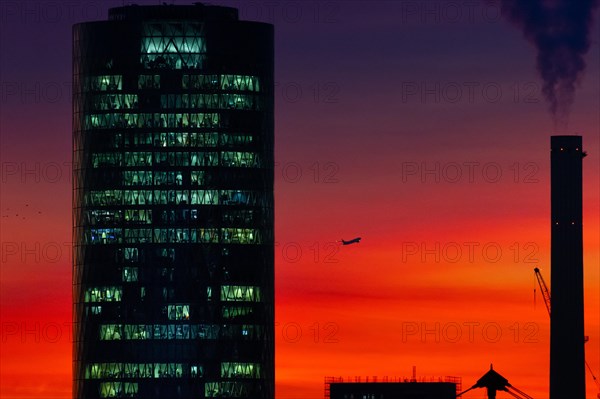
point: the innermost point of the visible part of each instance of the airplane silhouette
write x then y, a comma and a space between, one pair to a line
352, 241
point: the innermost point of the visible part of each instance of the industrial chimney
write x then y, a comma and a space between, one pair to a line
567, 369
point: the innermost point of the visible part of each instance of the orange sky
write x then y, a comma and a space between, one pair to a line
373, 309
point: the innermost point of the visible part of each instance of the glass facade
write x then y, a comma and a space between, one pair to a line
173, 268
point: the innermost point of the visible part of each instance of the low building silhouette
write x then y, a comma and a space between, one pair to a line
407, 388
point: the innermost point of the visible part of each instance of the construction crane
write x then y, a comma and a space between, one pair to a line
543, 288
546, 296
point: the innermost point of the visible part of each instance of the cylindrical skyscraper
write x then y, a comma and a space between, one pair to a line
173, 268
567, 358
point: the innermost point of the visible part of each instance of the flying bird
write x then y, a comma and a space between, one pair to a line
352, 241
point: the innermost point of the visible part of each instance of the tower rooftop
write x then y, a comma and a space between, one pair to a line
167, 11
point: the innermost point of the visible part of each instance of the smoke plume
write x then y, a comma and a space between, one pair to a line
560, 31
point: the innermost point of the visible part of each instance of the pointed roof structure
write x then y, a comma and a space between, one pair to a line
493, 382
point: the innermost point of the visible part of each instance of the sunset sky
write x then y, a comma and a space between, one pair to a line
418, 125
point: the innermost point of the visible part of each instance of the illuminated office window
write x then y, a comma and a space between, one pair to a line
234, 312
239, 159
103, 294
200, 81
208, 139
105, 102
240, 236
138, 159
137, 197
131, 254
226, 389
179, 312
173, 46
108, 159
204, 197
168, 370
138, 370
137, 177
197, 177
104, 83
209, 235
104, 216
118, 389
104, 370
138, 216
104, 236
137, 235
240, 82
96, 310
204, 159
196, 371
240, 293
104, 198
130, 274
239, 197
231, 140
240, 370
137, 331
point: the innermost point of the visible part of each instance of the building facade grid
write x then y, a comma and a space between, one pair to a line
173, 271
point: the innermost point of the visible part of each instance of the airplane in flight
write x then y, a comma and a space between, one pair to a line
352, 241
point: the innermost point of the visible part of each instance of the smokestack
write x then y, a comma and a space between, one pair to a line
567, 358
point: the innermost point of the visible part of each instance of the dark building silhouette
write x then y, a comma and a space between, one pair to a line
173, 273
392, 390
567, 369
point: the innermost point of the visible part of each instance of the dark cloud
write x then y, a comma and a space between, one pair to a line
560, 31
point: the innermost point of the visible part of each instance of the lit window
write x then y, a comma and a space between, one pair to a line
228, 389
138, 216
240, 236
178, 312
137, 177
233, 312
240, 293
130, 274
104, 83
106, 159
239, 159
240, 82
111, 332
131, 254
118, 389
137, 235
104, 370
96, 309
137, 331
106, 102
168, 370
240, 370
103, 294
196, 371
